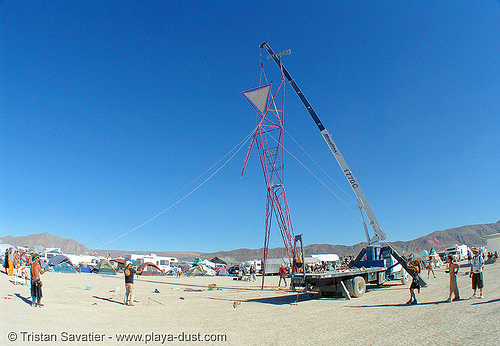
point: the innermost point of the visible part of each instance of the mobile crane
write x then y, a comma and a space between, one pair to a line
375, 263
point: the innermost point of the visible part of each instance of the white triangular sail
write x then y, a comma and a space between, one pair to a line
259, 97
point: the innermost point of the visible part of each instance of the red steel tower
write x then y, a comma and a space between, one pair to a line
269, 140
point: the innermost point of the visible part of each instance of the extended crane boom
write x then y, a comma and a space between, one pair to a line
362, 201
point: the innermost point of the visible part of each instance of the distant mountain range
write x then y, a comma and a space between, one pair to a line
46, 240
471, 235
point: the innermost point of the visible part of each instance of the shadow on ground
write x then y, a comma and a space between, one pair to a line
109, 300
24, 299
404, 305
284, 300
281, 300
487, 302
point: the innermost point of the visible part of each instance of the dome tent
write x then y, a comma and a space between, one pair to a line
105, 267
150, 269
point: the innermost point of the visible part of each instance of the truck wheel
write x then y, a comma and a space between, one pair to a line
405, 279
358, 286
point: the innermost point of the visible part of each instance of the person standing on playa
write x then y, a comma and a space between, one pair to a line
430, 267
282, 274
11, 262
129, 283
179, 271
253, 277
6, 261
36, 282
476, 272
453, 268
415, 266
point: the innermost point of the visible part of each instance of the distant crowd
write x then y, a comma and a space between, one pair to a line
15, 259
20, 261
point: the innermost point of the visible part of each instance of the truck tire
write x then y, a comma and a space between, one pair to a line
358, 286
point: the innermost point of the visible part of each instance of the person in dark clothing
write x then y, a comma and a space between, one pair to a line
415, 266
129, 283
6, 260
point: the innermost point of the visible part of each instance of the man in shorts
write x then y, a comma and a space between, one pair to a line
476, 272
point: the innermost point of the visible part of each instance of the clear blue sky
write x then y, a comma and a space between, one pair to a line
108, 108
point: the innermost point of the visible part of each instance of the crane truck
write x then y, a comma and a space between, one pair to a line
374, 264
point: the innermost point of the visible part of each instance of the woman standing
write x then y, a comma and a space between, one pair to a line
430, 267
415, 266
453, 269
11, 261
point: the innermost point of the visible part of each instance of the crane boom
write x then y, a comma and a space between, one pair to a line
363, 204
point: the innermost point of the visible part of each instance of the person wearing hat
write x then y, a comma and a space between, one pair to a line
282, 274
476, 272
129, 282
36, 282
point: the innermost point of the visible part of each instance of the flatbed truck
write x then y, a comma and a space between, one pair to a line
381, 267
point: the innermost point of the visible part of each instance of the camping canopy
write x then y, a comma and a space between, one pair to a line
222, 272
64, 267
200, 270
195, 271
207, 263
58, 260
85, 268
150, 269
323, 258
185, 267
118, 262
104, 267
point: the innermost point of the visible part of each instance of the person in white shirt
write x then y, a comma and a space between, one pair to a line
476, 272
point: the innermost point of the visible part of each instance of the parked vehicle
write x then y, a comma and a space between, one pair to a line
459, 252
234, 270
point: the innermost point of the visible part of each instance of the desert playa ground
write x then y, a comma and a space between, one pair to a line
186, 309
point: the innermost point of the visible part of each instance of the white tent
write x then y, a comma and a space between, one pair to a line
207, 263
331, 257
77, 259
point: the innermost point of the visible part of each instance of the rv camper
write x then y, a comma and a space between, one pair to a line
460, 252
